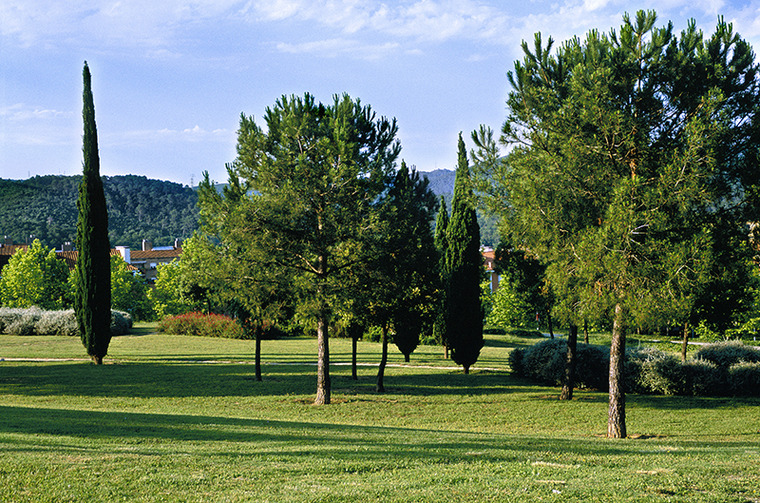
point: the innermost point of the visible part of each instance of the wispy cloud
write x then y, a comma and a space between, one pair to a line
167, 135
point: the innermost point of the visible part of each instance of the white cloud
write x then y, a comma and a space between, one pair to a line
166, 135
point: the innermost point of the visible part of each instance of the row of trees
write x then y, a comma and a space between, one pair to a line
318, 224
631, 176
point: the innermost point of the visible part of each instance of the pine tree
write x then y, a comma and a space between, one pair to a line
92, 300
463, 269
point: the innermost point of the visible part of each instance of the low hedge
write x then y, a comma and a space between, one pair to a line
728, 368
35, 321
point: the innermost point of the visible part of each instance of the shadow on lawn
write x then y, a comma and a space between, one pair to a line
279, 438
198, 380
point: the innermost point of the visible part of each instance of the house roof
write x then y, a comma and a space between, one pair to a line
140, 255
71, 256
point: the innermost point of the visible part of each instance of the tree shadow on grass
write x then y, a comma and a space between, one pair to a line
187, 379
282, 438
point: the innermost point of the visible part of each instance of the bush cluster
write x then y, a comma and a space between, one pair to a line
726, 368
35, 321
204, 325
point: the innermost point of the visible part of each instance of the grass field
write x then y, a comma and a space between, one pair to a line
172, 418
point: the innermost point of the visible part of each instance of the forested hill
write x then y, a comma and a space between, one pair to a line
138, 208
442, 183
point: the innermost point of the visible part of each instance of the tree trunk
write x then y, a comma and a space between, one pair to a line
97, 360
585, 331
445, 352
257, 365
569, 382
549, 321
323, 362
616, 415
380, 388
406, 359
466, 369
354, 350
685, 345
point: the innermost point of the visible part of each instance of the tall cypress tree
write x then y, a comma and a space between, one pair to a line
92, 300
463, 268
441, 226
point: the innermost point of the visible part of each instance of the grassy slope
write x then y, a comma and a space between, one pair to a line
159, 425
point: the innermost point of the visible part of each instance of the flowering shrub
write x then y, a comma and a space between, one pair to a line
204, 325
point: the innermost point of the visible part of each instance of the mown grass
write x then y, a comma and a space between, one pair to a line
175, 418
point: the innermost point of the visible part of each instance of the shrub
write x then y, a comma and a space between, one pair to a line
744, 379
545, 362
58, 323
728, 353
35, 321
204, 325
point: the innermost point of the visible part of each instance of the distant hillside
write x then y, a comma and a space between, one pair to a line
442, 183
441, 180
138, 208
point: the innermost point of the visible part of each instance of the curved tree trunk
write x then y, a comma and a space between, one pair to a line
380, 388
616, 414
569, 382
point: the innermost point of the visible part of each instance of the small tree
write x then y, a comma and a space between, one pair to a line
129, 291
463, 270
34, 277
92, 300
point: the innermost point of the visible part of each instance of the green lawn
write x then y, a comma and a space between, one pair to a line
174, 418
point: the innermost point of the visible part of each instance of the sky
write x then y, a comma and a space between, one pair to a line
170, 78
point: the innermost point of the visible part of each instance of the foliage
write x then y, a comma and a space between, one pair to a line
205, 325
715, 370
34, 277
35, 321
462, 271
138, 208
308, 182
172, 294
728, 353
129, 291
92, 294
396, 280
633, 173
441, 244
508, 307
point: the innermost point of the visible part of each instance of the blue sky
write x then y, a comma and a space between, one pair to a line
171, 77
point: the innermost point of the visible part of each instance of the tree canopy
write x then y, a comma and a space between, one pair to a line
633, 162
311, 179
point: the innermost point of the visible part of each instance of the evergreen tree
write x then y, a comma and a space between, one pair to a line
463, 269
92, 299
314, 175
440, 242
634, 152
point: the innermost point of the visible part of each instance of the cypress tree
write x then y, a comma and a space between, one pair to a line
441, 226
463, 268
92, 299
